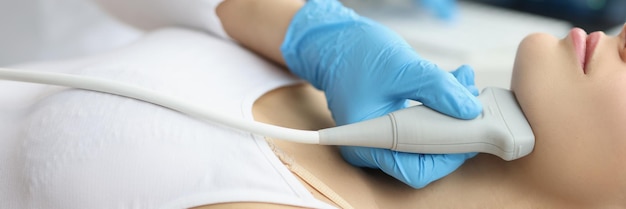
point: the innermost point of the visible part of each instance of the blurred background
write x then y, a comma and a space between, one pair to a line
591, 15
481, 33
485, 33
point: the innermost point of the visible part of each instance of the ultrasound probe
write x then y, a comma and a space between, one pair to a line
501, 129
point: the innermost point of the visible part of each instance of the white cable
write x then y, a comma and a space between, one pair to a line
136, 92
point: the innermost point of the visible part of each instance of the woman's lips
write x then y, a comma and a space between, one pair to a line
579, 38
584, 45
592, 41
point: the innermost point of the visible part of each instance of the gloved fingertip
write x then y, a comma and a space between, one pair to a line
465, 75
470, 109
358, 156
462, 105
473, 90
437, 166
445, 94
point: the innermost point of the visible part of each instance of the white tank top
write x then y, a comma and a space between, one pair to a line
34, 30
68, 148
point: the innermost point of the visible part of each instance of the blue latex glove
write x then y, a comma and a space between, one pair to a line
444, 9
367, 71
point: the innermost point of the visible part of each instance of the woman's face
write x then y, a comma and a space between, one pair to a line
573, 92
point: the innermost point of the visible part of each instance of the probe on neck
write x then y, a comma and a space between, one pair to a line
501, 129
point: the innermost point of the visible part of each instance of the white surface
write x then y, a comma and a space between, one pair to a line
36, 30
484, 37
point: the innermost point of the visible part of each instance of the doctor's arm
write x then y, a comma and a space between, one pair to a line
364, 69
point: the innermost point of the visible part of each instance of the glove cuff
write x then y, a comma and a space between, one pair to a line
301, 48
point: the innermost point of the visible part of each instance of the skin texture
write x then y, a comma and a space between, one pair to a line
259, 25
578, 117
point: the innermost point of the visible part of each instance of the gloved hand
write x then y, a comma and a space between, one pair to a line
367, 71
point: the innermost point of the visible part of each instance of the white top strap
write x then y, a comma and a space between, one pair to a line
152, 14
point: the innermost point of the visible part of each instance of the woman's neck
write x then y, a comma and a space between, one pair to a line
482, 182
485, 181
